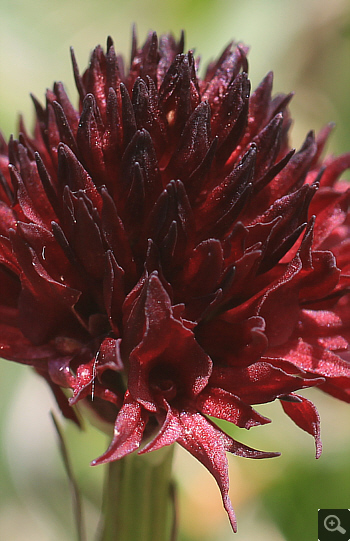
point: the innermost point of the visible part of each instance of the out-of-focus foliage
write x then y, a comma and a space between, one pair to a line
307, 44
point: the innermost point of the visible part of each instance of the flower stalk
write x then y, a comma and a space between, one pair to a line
138, 498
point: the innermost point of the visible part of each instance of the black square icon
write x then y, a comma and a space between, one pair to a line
334, 525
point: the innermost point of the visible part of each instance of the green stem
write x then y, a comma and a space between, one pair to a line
138, 497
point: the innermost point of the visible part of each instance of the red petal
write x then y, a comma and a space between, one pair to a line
201, 274
224, 405
45, 305
168, 434
15, 347
238, 342
258, 383
208, 444
280, 305
128, 431
162, 344
314, 359
331, 210
306, 416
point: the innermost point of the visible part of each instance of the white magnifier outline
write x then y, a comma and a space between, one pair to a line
331, 528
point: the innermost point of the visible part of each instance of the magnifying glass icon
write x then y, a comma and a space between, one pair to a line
332, 524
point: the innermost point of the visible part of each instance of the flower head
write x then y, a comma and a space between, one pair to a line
166, 256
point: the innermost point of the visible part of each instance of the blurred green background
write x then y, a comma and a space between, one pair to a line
307, 44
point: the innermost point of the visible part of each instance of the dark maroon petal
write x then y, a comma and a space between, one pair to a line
194, 144
313, 358
58, 367
335, 169
155, 363
113, 135
109, 356
208, 444
268, 176
140, 152
179, 93
175, 354
268, 143
260, 382
224, 154
293, 174
227, 199
15, 347
225, 71
168, 434
306, 416
48, 184
237, 342
66, 134
280, 307
128, 116
68, 109
291, 215
86, 239
50, 253
44, 304
230, 107
115, 235
7, 219
113, 75
78, 80
258, 105
244, 269
147, 113
223, 405
171, 224
87, 380
150, 57
30, 209
204, 441
89, 139
9, 281
168, 49
331, 210
323, 278
202, 272
128, 431
114, 292
72, 173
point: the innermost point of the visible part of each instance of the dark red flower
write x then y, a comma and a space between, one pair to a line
166, 256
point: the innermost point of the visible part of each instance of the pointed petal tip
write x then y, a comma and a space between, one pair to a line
229, 510
110, 42
103, 459
273, 454
318, 445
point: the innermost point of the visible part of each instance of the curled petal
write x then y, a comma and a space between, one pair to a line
306, 416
